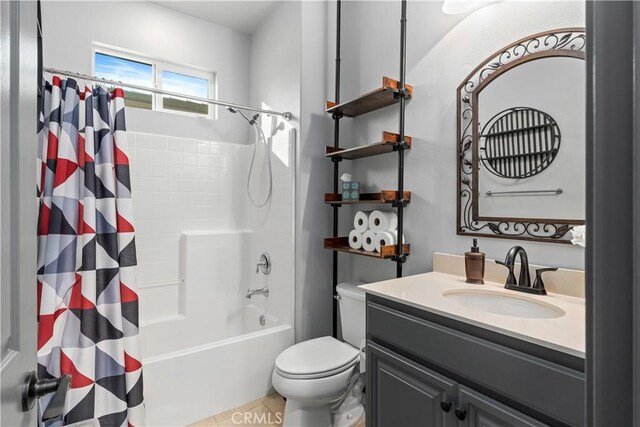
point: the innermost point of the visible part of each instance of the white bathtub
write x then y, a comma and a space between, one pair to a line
188, 385
204, 348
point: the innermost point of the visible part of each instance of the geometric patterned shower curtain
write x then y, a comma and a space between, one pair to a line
87, 301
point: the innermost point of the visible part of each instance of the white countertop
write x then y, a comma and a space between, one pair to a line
425, 291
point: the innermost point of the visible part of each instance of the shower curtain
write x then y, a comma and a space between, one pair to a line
87, 302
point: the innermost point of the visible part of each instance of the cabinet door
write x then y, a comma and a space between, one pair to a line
477, 410
403, 393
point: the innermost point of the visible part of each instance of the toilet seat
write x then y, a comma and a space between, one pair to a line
316, 358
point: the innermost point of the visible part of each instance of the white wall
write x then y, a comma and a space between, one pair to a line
314, 299
70, 28
442, 50
275, 60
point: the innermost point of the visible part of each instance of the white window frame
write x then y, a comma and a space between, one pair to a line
157, 67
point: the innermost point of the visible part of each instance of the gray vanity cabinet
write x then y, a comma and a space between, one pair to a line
424, 369
407, 394
482, 411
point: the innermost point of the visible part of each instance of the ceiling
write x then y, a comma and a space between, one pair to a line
240, 15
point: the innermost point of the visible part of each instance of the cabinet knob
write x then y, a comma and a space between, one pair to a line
445, 406
461, 414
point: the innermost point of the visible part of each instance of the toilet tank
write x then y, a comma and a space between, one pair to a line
352, 312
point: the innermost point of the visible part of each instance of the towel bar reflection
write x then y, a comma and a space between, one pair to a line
557, 191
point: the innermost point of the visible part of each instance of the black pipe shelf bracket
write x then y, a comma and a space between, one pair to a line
336, 116
391, 92
397, 203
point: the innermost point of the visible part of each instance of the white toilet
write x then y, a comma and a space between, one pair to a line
315, 375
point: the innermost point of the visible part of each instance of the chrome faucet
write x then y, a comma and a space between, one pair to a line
264, 264
251, 292
524, 281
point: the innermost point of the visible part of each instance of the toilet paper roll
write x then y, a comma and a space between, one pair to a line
369, 241
383, 221
386, 238
355, 239
361, 221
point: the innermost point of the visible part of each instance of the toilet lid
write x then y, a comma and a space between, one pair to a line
316, 358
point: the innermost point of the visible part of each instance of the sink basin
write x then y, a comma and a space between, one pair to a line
503, 303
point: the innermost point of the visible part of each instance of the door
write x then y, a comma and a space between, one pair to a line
18, 205
477, 410
403, 393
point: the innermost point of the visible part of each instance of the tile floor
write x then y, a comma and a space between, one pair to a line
267, 411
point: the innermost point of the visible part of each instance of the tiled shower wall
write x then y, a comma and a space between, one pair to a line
182, 185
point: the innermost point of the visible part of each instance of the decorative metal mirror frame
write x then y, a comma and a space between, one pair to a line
564, 42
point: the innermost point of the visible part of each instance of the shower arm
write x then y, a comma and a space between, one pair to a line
285, 115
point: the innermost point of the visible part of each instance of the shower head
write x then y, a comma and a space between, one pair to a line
251, 120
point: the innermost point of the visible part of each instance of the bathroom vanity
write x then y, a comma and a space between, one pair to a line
441, 352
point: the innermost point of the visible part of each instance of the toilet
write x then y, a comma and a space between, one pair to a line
315, 376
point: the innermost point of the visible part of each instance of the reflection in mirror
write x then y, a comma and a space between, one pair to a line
532, 157
521, 140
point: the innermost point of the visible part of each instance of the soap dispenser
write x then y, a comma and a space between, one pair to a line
474, 264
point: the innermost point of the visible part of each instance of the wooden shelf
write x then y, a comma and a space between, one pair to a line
341, 244
384, 196
374, 100
388, 144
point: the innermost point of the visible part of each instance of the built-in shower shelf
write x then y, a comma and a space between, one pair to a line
341, 244
390, 142
374, 100
382, 197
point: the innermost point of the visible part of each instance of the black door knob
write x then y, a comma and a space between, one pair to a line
461, 414
33, 388
445, 406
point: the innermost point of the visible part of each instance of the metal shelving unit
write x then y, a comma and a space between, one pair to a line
388, 144
392, 92
382, 197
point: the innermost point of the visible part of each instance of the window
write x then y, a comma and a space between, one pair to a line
127, 71
147, 72
187, 85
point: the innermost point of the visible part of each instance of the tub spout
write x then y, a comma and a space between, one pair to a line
251, 292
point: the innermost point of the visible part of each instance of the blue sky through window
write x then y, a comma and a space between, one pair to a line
188, 85
124, 70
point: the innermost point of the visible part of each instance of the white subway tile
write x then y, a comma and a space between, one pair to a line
160, 156
160, 142
189, 159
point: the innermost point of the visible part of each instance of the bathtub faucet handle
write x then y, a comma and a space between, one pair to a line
264, 264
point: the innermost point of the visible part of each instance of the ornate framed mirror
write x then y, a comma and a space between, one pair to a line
521, 140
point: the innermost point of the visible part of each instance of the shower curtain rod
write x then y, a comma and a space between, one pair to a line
285, 115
